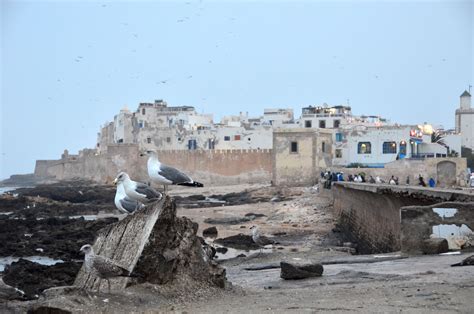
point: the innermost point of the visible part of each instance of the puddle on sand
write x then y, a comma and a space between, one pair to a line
231, 253
445, 212
43, 260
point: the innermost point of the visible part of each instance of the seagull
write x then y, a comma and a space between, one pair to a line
137, 191
166, 175
124, 203
8, 292
468, 261
260, 240
102, 267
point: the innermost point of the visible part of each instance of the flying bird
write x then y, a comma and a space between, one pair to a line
124, 203
8, 292
137, 191
259, 239
166, 175
468, 261
101, 266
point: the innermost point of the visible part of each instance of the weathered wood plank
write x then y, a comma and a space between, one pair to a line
123, 242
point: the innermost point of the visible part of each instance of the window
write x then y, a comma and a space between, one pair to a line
338, 153
364, 148
307, 124
294, 147
336, 123
140, 124
389, 148
236, 137
249, 139
148, 140
143, 111
322, 124
192, 144
168, 140
338, 137
120, 140
226, 138
323, 147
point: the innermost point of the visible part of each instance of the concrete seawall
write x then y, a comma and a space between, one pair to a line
370, 214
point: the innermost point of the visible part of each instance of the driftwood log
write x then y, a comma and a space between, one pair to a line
157, 246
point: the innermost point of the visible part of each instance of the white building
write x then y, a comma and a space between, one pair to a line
375, 146
465, 121
325, 117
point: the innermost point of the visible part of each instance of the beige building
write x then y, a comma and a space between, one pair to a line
299, 155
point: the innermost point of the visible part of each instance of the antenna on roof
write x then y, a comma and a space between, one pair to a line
470, 88
348, 103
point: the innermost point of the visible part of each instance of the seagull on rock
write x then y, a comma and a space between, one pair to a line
8, 292
166, 175
137, 191
124, 203
468, 261
102, 267
260, 240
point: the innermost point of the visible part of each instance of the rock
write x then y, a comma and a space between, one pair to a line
222, 250
33, 278
239, 241
228, 220
435, 246
210, 232
300, 270
255, 215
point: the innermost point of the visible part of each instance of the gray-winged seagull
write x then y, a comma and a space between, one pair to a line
102, 267
124, 203
136, 190
166, 175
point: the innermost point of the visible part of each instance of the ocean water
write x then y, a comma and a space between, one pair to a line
43, 260
4, 189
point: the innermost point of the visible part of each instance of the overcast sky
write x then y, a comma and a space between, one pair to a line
67, 67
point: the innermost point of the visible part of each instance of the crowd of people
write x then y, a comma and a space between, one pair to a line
329, 177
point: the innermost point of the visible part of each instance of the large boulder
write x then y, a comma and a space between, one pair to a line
435, 246
210, 232
300, 270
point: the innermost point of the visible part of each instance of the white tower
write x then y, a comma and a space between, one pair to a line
465, 120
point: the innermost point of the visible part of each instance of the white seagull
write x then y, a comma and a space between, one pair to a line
166, 175
102, 267
137, 191
260, 240
124, 203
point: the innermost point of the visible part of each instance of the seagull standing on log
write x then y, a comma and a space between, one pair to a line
137, 191
102, 267
124, 203
166, 175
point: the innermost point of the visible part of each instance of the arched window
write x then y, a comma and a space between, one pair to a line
403, 149
364, 148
